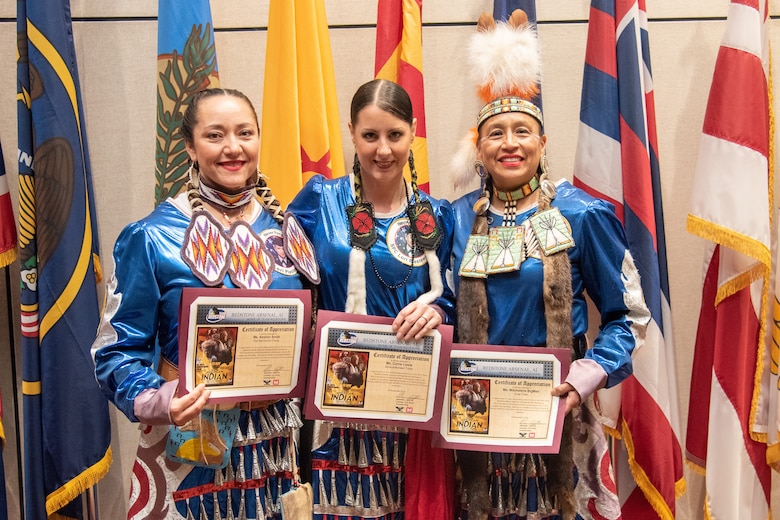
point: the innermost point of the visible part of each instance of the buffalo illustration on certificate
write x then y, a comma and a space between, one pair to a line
362, 373
243, 344
499, 397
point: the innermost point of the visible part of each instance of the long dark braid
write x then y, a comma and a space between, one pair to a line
357, 181
269, 200
413, 172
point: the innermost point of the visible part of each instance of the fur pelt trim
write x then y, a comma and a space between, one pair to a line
356, 285
434, 274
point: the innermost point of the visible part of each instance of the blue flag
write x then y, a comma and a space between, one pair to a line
186, 63
66, 424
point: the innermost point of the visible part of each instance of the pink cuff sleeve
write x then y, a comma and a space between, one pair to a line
586, 376
153, 405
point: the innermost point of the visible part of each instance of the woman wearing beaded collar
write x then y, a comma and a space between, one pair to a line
526, 251
136, 352
356, 224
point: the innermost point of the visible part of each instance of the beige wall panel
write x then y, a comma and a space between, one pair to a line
119, 8
117, 67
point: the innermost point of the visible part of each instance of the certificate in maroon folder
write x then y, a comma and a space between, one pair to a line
497, 398
244, 344
361, 373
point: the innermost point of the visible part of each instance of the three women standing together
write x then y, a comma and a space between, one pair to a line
397, 270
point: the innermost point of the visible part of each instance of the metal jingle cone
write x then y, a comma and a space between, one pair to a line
323, 495
362, 458
342, 449
259, 512
241, 472
377, 454
349, 498
256, 473
270, 466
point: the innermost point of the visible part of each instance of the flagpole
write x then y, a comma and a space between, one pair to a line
91, 509
15, 396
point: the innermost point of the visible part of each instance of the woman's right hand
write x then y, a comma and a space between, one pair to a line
189, 406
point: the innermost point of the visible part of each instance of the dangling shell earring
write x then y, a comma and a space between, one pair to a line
479, 167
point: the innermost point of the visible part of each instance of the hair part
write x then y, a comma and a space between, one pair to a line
385, 95
190, 118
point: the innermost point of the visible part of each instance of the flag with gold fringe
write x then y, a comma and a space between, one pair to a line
186, 63
731, 208
398, 58
66, 424
617, 160
301, 131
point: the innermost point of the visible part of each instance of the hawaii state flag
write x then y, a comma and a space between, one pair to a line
66, 425
186, 63
301, 134
731, 207
617, 160
398, 58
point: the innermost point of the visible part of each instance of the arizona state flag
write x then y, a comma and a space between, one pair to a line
66, 426
186, 63
301, 133
399, 58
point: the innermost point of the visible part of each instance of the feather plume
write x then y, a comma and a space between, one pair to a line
505, 61
462, 163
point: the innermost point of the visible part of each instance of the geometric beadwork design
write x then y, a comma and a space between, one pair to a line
206, 248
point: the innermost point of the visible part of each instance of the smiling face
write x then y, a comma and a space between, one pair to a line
511, 147
382, 143
225, 142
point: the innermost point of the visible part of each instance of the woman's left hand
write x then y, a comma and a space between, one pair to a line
573, 398
416, 320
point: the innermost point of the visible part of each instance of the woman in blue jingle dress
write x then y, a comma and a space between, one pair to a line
136, 350
526, 251
378, 276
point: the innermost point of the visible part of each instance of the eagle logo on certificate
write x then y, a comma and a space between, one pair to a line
345, 383
215, 363
469, 405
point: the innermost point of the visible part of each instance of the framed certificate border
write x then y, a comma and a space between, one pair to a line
497, 398
245, 344
398, 382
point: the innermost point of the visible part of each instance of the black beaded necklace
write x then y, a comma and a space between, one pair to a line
413, 253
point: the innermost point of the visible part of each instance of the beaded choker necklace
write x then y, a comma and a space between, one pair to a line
523, 191
226, 200
510, 199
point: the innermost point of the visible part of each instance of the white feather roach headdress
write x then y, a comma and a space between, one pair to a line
506, 68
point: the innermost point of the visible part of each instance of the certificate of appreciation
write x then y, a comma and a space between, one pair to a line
244, 344
361, 373
498, 398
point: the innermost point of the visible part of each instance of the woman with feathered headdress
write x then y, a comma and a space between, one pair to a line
526, 251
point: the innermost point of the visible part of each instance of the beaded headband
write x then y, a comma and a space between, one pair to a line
509, 104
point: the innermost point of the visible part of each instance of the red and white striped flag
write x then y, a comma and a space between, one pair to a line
617, 160
399, 59
7, 223
731, 207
